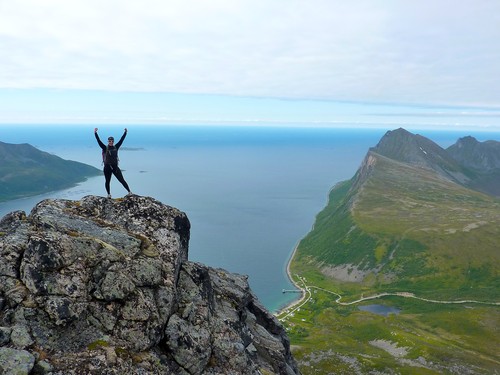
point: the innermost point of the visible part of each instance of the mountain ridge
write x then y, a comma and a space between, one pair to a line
468, 162
417, 150
413, 220
471, 153
408, 179
481, 157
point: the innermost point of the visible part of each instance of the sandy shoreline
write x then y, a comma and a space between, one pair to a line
289, 274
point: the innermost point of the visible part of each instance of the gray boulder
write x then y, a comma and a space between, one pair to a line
101, 286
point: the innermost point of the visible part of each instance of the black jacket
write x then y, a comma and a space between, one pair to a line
110, 153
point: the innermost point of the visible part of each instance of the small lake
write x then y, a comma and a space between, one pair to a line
380, 309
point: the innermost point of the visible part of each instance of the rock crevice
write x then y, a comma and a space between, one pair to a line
102, 286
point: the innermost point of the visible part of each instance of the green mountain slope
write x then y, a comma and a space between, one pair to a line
407, 228
404, 224
25, 171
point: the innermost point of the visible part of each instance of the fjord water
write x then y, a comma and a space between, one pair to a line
251, 193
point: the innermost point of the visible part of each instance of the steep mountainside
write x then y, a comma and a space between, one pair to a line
102, 286
403, 146
409, 224
481, 157
402, 225
25, 170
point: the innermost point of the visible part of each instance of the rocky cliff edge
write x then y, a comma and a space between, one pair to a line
101, 286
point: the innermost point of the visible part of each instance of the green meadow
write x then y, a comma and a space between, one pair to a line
399, 229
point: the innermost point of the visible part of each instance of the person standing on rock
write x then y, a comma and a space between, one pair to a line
110, 161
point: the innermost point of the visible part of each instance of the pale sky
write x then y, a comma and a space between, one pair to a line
324, 62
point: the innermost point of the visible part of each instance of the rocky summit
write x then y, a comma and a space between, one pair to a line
102, 286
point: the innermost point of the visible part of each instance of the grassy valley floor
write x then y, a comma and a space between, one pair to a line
428, 248
422, 338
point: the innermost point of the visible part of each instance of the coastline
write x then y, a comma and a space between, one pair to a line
196, 184
302, 290
303, 293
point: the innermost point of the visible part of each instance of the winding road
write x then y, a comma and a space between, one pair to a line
307, 295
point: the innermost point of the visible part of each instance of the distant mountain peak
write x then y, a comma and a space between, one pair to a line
468, 139
483, 158
399, 131
480, 156
404, 146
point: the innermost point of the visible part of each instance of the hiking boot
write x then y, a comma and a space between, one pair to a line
109, 196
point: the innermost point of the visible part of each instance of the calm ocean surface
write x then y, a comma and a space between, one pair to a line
250, 193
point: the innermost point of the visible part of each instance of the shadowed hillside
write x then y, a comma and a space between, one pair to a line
481, 157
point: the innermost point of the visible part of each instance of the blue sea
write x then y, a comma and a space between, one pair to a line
251, 193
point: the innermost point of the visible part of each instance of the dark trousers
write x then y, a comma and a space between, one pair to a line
110, 169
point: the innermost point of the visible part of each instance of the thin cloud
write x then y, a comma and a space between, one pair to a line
413, 52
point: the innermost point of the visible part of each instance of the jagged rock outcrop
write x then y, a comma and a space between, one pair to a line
103, 286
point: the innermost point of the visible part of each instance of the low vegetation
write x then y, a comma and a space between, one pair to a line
402, 229
27, 171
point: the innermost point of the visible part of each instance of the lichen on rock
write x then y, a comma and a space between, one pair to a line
103, 286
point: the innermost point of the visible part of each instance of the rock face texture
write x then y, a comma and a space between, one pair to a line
480, 156
414, 149
103, 286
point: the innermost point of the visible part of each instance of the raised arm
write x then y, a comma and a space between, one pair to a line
117, 145
102, 145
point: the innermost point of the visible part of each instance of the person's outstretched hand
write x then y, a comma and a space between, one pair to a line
95, 130
125, 130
